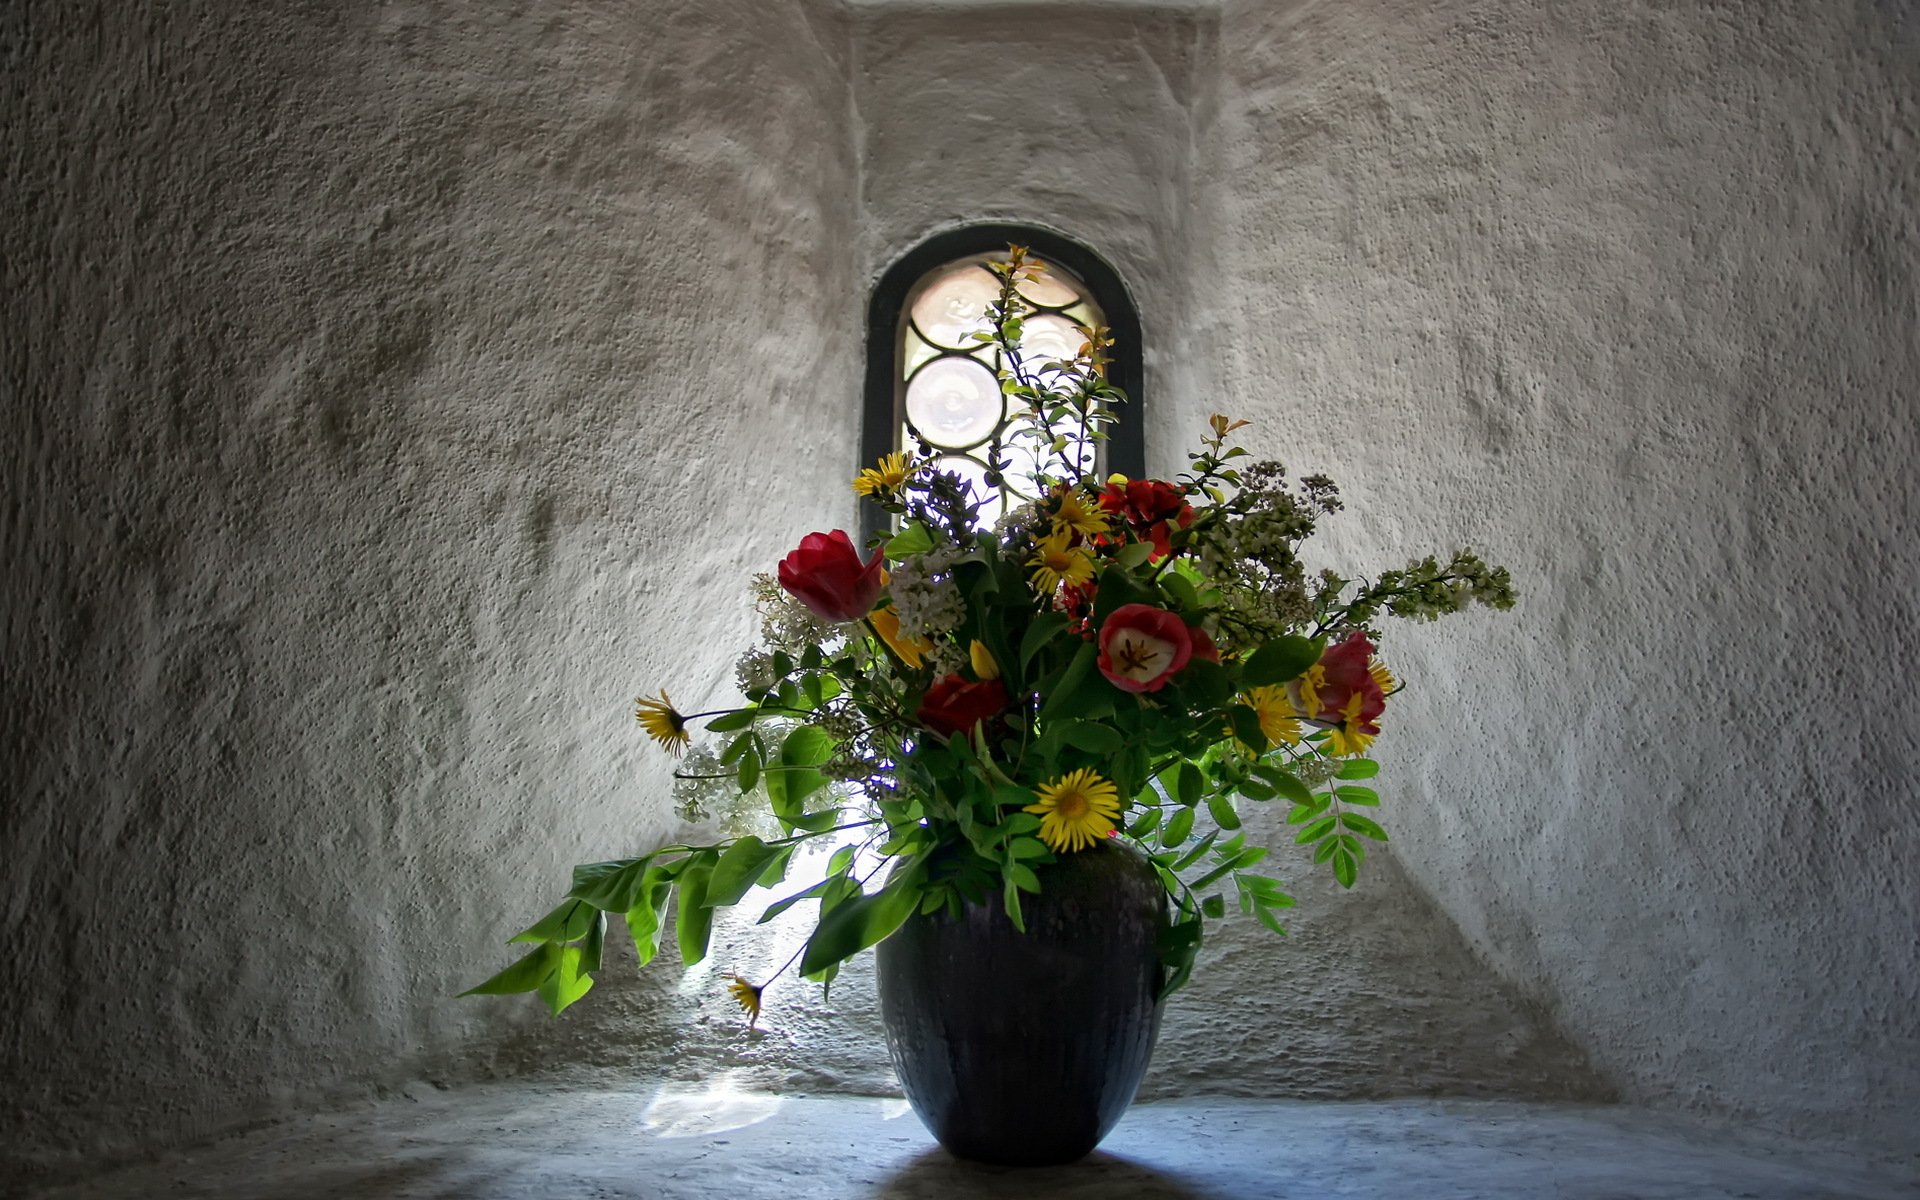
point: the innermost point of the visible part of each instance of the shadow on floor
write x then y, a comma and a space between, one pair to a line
938, 1175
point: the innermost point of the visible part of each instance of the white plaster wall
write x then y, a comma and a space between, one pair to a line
1626, 296
392, 392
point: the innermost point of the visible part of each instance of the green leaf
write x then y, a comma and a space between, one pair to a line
1178, 827
1214, 907
749, 773
1314, 831
780, 906
1145, 823
1245, 724
861, 921
523, 976
1352, 794
694, 922
739, 718
1346, 867
1221, 808
1265, 917
1134, 554
1091, 736
1204, 684
1194, 855
1044, 629
1070, 680
646, 920
914, 539
1357, 768
1189, 783
1363, 826
570, 980
1027, 847
737, 871
1282, 660
611, 887
567, 923
803, 749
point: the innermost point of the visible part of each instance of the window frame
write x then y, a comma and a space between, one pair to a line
880, 418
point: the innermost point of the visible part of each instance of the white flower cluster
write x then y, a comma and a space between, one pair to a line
785, 623
925, 596
754, 672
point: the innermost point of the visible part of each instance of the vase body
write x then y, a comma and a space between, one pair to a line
1024, 1049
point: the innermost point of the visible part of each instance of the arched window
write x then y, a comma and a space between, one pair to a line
931, 388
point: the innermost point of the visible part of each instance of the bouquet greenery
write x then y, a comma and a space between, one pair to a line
1114, 658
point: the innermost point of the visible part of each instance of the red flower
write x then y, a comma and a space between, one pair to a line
1153, 508
1077, 603
1143, 501
1341, 689
955, 704
827, 576
1203, 646
1142, 646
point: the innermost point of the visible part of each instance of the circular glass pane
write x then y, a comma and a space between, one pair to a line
955, 305
1048, 338
954, 402
1051, 290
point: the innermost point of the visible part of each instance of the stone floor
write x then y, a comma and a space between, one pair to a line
542, 1141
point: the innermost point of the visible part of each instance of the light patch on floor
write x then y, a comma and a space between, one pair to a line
674, 1142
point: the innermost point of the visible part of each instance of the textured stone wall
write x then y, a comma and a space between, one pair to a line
392, 392
1626, 296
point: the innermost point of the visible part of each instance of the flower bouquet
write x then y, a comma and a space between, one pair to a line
960, 705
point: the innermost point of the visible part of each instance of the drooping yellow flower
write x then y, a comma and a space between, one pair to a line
747, 996
1054, 562
663, 723
984, 665
1350, 736
1275, 709
883, 478
911, 650
1076, 516
1382, 676
1076, 810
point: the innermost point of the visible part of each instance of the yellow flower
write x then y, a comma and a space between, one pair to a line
663, 724
1275, 710
1350, 736
1382, 676
1074, 516
748, 997
1076, 810
983, 664
911, 650
884, 478
1054, 562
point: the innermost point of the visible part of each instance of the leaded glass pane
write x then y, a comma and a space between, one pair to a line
948, 394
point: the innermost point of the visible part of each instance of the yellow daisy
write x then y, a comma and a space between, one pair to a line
1075, 516
1382, 676
911, 650
1054, 562
884, 478
748, 997
1076, 810
1275, 709
663, 724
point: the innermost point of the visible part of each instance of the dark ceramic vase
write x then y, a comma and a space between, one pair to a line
1025, 1049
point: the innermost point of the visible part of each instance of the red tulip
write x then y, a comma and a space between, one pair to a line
955, 704
827, 576
1142, 646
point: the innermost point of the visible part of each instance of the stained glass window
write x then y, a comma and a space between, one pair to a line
932, 384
